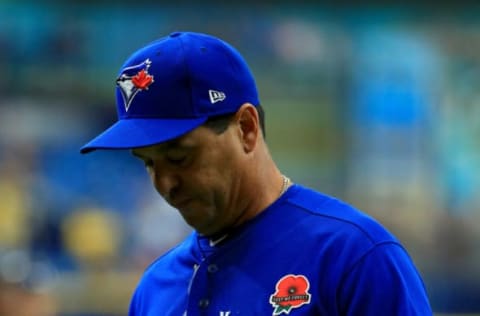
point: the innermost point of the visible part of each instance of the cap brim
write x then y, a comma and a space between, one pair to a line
134, 133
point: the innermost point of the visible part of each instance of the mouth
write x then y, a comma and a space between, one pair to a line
181, 204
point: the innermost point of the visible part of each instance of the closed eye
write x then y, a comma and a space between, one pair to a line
146, 161
177, 160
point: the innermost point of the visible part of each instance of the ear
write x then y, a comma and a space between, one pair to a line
249, 127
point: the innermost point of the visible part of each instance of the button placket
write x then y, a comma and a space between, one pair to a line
199, 296
203, 303
212, 268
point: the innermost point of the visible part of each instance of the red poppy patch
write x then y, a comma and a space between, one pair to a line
291, 292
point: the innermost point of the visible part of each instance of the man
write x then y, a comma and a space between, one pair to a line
188, 108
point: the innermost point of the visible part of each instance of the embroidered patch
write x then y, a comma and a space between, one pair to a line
133, 80
291, 292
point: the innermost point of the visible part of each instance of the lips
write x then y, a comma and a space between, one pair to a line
180, 204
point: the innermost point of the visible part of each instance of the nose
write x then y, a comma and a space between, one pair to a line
165, 182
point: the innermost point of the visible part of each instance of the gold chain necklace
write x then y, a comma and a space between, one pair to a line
286, 183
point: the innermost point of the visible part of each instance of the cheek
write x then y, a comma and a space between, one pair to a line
212, 180
216, 169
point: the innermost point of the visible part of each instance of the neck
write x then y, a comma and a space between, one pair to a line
262, 184
253, 205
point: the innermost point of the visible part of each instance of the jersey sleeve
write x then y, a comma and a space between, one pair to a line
384, 281
133, 310
138, 303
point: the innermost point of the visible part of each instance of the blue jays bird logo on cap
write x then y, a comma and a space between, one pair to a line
134, 79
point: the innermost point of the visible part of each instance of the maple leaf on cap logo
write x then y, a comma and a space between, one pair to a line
142, 80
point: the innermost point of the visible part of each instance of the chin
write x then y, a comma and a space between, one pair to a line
204, 230
196, 221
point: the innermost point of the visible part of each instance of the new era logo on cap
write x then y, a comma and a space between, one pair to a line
216, 96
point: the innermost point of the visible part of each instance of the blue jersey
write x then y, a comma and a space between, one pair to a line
306, 254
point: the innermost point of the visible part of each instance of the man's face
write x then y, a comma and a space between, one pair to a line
199, 174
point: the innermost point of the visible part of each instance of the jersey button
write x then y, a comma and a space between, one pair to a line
212, 268
203, 303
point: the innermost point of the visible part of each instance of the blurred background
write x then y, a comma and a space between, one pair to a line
376, 104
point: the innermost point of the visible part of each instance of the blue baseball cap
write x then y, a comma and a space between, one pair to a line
173, 85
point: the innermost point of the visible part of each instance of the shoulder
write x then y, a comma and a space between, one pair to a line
327, 213
363, 251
